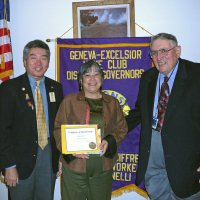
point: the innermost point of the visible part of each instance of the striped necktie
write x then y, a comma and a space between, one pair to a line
162, 103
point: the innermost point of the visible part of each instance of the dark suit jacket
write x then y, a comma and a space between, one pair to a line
181, 129
18, 126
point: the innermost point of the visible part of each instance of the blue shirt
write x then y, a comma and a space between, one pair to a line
160, 80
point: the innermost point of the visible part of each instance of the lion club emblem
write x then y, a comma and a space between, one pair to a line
122, 100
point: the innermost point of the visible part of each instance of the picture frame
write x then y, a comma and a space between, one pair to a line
77, 139
100, 19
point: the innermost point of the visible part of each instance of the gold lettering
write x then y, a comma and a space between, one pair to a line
71, 75
117, 64
133, 54
119, 176
84, 55
120, 54
123, 74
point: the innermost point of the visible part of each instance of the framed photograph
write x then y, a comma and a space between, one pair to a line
99, 19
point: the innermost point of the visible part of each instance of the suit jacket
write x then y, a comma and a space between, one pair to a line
181, 129
73, 110
18, 126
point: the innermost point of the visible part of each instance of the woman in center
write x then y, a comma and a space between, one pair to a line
89, 176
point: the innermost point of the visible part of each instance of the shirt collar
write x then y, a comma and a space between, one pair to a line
171, 73
33, 81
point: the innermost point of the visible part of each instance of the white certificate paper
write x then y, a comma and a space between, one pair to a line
80, 139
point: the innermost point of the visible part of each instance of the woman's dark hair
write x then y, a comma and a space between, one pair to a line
85, 68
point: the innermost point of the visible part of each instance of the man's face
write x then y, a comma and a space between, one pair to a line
37, 63
165, 55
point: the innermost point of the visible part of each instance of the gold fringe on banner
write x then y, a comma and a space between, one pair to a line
129, 188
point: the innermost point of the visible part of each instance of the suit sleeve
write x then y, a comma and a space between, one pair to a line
134, 116
7, 108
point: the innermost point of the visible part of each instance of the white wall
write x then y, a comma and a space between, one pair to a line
42, 19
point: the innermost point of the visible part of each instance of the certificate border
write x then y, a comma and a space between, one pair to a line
64, 141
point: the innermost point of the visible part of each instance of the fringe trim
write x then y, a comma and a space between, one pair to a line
129, 188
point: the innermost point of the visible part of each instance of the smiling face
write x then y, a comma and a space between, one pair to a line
91, 82
165, 54
37, 62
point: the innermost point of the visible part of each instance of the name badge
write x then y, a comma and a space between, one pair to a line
52, 97
154, 122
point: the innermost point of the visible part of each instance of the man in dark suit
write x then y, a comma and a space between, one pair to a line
169, 152
30, 169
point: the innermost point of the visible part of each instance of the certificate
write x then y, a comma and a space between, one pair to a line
79, 139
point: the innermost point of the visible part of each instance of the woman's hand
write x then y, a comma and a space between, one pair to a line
103, 147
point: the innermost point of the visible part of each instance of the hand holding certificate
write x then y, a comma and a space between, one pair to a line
79, 139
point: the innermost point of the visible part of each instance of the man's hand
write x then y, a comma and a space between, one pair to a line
11, 177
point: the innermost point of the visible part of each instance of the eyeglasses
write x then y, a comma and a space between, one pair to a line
162, 52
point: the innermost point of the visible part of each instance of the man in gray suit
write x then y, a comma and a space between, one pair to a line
30, 170
169, 152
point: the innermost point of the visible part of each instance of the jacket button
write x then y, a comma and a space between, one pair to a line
34, 155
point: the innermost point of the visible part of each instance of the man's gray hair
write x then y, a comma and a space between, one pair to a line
164, 36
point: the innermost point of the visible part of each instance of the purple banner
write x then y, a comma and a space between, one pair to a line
123, 61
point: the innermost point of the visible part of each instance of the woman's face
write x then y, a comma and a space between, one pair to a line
91, 82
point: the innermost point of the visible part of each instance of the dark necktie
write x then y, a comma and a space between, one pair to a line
162, 103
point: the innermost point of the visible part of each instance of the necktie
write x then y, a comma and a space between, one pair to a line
162, 103
40, 115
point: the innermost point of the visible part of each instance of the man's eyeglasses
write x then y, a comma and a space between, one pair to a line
162, 52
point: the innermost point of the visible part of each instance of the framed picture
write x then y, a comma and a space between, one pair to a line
98, 19
78, 139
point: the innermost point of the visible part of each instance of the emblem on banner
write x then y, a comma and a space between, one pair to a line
122, 100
